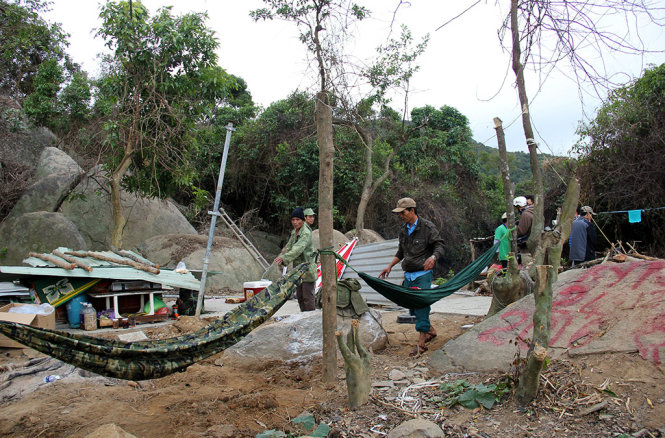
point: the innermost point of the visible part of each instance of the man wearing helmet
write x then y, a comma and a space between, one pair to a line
526, 218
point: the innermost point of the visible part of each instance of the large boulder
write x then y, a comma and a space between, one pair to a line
230, 263
339, 239
54, 161
39, 231
90, 209
604, 309
56, 175
365, 236
298, 338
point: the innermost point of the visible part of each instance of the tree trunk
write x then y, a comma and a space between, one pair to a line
527, 387
356, 367
366, 194
119, 220
508, 288
505, 179
538, 223
324, 133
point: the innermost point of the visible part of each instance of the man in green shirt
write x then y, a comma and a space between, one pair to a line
299, 250
504, 246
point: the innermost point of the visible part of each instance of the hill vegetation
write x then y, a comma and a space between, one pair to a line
148, 119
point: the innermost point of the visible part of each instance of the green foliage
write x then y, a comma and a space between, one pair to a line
27, 42
622, 166
442, 280
42, 105
306, 422
160, 84
472, 396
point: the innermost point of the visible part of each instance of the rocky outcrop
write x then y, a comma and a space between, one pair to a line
339, 239
298, 338
230, 263
89, 207
612, 307
56, 175
40, 231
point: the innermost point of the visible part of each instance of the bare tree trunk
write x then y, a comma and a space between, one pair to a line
527, 387
507, 184
366, 193
119, 220
324, 133
538, 215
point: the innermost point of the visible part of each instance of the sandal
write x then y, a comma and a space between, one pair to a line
418, 351
429, 336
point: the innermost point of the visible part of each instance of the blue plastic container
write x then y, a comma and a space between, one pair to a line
74, 310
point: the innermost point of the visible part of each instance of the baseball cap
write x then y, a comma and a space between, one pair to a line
504, 216
587, 209
309, 212
403, 204
520, 201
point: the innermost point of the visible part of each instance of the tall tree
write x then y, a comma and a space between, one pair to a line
392, 70
322, 24
161, 81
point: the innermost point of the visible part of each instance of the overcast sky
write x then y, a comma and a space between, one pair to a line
463, 66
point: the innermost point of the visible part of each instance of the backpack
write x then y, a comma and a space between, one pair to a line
349, 301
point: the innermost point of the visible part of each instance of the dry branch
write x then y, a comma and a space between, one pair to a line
70, 259
51, 259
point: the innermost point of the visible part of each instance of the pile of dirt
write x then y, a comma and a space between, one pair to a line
216, 399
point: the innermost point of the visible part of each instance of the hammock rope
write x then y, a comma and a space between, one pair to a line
157, 358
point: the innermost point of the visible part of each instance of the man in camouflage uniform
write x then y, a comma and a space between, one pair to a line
299, 250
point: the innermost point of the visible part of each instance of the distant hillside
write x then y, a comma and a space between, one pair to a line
520, 169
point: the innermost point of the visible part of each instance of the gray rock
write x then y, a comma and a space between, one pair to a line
230, 263
396, 374
416, 428
295, 339
39, 232
339, 239
47, 194
54, 161
90, 209
110, 430
365, 236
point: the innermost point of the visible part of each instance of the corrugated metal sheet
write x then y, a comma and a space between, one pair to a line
100, 269
372, 259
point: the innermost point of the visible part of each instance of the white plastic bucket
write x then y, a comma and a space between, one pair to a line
252, 288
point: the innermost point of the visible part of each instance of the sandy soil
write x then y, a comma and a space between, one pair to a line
214, 399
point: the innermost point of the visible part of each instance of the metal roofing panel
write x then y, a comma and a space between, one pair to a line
372, 259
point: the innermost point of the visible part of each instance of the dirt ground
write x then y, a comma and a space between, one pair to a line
216, 399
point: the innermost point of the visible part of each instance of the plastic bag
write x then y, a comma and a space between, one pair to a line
33, 309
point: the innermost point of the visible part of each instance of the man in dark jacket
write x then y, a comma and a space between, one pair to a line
419, 248
583, 237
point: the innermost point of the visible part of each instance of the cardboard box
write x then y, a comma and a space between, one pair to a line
43, 321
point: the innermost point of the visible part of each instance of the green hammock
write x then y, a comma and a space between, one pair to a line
151, 359
419, 298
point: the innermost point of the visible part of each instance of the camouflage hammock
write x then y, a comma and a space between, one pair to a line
152, 359
419, 298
